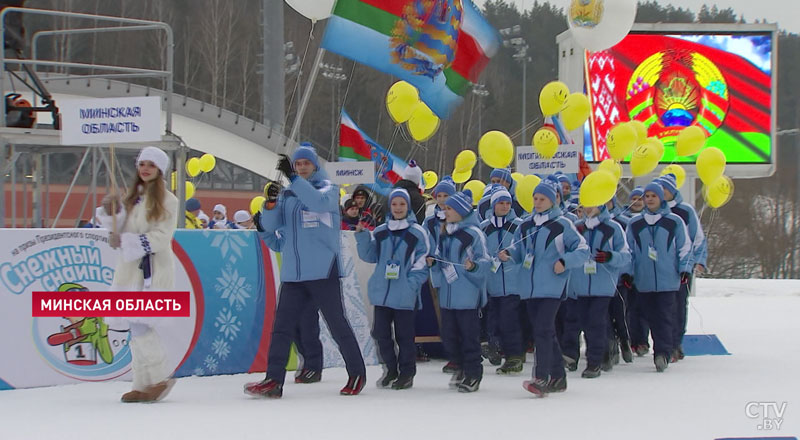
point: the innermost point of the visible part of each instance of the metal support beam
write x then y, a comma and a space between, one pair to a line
37, 189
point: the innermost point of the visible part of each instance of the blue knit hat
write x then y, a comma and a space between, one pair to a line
503, 173
563, 178
400, 192
656, 188
500, 195
637, 192
446, 186
490, 188
306, 151
547, 189
461, 202
192, 204
669, 182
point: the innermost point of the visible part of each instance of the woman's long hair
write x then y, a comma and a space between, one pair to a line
154, 193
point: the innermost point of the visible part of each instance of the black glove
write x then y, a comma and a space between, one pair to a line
271, 191
257, 222
285, 166
602, 256
685, 277
627, 280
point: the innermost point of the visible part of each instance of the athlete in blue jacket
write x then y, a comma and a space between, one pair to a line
501, 176
398, 248
596, 283
306, 337
461, 264
504, 302
307, 215
661, 253
689, 216
547, 246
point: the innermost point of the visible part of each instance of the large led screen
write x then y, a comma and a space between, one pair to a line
720, 83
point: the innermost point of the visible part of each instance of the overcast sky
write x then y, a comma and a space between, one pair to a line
784, 12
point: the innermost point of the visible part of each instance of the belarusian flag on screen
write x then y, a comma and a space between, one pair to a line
439, 46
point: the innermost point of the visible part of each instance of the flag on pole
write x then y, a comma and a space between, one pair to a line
355, 145
439, 46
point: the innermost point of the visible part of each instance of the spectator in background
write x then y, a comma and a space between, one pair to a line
192, 211
243, 220
350, 215
368, 210
203, 219
220, 220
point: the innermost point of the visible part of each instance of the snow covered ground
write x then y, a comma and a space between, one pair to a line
699, 398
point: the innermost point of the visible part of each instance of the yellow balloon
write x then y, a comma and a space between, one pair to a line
465, 161
621, 140
545, 142
553, 97
710, 165
524, 193
576, 111
645, 159
430, 178
189, 190
476, 186
496, 149
423, 123
401, 99
463, 177
597, 188
640, 129
690, 141
516, 176
193, 167
678, 171
207, 162
612, 167
173, 181
719, 192
256, 204
656, 142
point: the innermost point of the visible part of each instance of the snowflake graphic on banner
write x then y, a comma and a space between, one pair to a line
221, 348
211, 363
228, 323
229, 243
233, 287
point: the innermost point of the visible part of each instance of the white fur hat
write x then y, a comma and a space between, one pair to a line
413, 172
241, 216
157, 156
221, 208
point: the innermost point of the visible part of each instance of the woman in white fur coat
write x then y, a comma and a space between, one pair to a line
146, 219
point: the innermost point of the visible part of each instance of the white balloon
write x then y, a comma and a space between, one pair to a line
600, 24
313, 9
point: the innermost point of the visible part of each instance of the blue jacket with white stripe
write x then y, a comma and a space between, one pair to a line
688, 214
601, 234
500, 236
464, 240
548, 237
665, 236
404, 243
307, 215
